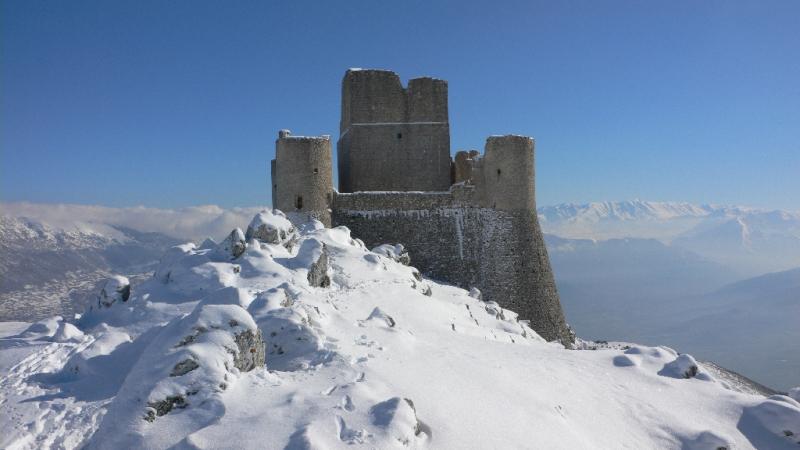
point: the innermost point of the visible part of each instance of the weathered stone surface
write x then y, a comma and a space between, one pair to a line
318, 272
234, 245
116, 289
502, 253
271, 228
184, 367
408, 126
251, 352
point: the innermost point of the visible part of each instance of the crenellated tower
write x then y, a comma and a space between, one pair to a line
393, 138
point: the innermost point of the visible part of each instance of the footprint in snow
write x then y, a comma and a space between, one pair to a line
347, 403
350, 435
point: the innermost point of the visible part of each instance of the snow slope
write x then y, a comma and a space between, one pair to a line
361, 351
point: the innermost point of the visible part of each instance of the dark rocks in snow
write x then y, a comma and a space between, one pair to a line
234, 245
318, 272
184, 367
684, 366
251, 352
158, 409
394, 252
115, 289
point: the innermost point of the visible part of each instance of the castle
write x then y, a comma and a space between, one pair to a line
470, 221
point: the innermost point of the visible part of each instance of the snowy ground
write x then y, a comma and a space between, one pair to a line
360, 352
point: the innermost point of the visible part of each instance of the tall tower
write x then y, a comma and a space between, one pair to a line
302, 176
393, 138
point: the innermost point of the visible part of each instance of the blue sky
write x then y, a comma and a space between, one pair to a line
178, 103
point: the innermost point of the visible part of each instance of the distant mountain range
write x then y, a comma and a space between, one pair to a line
750, 241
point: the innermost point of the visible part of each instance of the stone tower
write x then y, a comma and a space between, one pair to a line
302, 181
393, 138
471, 222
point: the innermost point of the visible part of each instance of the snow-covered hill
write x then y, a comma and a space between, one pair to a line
46, 270
360, 352
52, 255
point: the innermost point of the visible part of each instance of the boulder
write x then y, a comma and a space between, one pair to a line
234, 245
318, 272
116, 289
271, 228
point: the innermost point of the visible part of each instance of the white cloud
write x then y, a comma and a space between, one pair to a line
194, 222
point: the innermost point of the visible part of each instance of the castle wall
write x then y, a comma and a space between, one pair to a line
393, 138
449, 238
303, 176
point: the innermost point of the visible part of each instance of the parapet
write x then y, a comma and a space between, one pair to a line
378, 96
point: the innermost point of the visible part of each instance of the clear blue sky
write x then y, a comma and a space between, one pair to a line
176, 103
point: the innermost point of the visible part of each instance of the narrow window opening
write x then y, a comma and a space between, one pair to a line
274, 186
498, 172
299, 202
399, 135
316, 170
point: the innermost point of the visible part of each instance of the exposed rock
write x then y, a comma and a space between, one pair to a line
162, 407
184, 367
684, 366
234, 245
115, 289
271, 228
394, 252
251, 352
318, 272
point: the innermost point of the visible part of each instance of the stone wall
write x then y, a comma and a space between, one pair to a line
501, 253
303, 176
393, 138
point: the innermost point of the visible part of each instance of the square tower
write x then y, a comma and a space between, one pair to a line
393, 138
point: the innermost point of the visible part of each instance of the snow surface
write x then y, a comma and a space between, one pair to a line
381, 358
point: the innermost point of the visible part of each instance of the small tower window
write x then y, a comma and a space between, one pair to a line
298, 203
498, 172
399, 135
316, 170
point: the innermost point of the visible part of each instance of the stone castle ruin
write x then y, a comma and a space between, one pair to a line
470, 221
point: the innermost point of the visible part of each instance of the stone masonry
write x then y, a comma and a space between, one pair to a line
470, 221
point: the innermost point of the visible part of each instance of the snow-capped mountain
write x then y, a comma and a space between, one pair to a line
749, 240
51, 255
303, 339
46, 270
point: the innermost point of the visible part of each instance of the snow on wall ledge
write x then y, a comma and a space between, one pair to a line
500, 252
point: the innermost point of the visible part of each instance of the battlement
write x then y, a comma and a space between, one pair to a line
378, 97
393, 138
